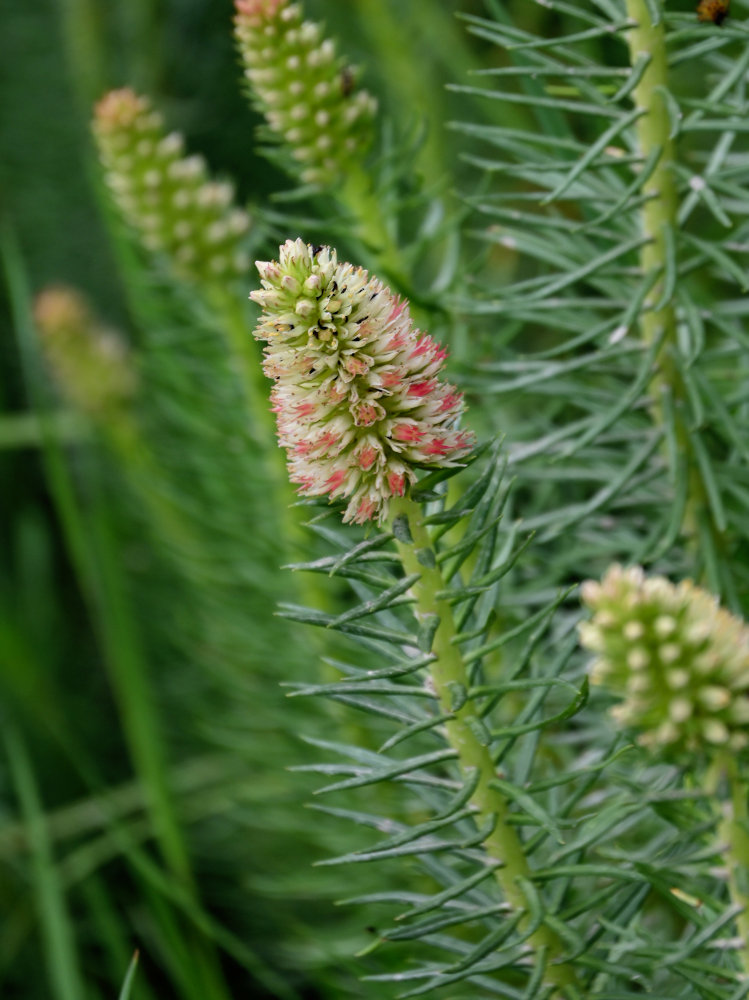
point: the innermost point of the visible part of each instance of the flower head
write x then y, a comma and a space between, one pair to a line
358, 397
679, 662
91, 364
167, 197
307, 94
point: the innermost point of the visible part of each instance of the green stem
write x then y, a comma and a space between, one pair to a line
659, 220
734, 833
448, 674
653, 128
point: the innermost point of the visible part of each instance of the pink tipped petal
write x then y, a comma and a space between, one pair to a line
397, 484
422, 388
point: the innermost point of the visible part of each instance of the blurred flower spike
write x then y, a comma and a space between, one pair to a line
357, 393
167, 197
307, 94
678, 661
91, 365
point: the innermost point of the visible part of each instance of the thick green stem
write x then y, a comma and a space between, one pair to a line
653, 128
734, 834
659, 220
448, 674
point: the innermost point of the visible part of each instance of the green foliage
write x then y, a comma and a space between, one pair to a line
619, 848
569, 215
577, 235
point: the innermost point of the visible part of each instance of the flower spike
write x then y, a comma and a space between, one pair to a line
307, 94
90, 363
357, 395
679, 661
167, 197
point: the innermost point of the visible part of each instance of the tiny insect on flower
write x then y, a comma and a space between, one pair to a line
715, 11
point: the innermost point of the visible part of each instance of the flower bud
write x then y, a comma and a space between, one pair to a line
357, 393
307, 94
168, 198
91, 365
679, 662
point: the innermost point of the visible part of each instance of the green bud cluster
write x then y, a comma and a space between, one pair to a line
167, 197
91, 364
307, 93
678, 661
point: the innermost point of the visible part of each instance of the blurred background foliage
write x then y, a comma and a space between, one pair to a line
145, 800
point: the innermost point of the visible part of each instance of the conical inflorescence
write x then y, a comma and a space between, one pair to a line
307, 93
90, 363
678, 661
357, 395
167, 197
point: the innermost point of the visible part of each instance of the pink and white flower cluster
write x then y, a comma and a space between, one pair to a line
357, 395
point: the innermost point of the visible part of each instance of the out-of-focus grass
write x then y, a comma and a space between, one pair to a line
65, 979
